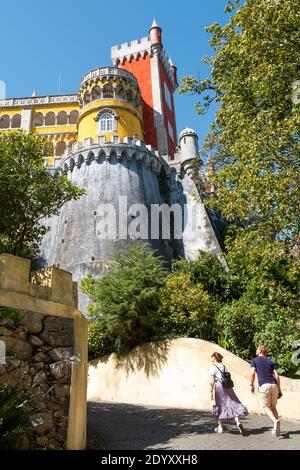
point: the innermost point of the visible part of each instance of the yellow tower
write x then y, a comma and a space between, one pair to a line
110, 102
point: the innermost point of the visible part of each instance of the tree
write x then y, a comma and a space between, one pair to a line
186, 309
126, 300
255, 140
208, 271
28, 193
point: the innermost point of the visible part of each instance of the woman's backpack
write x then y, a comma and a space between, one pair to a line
227, 381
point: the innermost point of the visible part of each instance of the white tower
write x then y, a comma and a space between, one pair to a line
189, 144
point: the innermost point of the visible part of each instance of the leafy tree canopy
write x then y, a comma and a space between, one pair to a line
255, 143
125, 301
28, 193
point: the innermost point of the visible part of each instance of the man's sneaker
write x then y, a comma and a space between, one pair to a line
241, 428
276, 429
219, 429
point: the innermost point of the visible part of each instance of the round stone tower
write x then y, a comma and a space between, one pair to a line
189, 144
116, 169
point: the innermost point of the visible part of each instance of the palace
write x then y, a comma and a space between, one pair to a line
117, 138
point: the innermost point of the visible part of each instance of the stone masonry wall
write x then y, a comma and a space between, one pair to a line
38, 352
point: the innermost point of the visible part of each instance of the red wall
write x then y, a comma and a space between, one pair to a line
141, 69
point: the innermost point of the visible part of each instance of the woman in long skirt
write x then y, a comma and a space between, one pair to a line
226, 404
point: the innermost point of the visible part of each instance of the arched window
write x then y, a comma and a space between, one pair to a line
62, 118
16, 121
49, 149
38, 119
74, 115
96, 93
4, 122
106, 121
108, 91
60, 148
129, 96
87, 97
50, 119
120, 93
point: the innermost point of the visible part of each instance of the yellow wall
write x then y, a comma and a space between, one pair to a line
51, 292
45, 109
55, 129
10, 111
178, 377
129, 122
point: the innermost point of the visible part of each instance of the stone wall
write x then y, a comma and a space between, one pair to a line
38, 353
176, 374
46, 351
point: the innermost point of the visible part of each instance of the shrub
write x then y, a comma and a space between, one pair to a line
100, 342
208, 271
237, 323
278, 335
186, 309
126, 300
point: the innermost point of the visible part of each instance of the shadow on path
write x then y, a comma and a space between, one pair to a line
116, 426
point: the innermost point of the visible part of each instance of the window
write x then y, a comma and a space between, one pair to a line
62, 118
4, 122
60, 148
171, 131
50, 119
74, 115
38, 120
106, 122
16, 121
168, 97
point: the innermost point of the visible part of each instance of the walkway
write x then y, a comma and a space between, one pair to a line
113, 426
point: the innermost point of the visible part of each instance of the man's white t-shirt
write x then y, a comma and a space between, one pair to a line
216, 371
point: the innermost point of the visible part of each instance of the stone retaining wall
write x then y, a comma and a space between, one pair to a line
38, 353
46, 351
176, 374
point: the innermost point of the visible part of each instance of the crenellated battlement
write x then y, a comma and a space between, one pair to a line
132, 49
140, 48
51, 284
80, 154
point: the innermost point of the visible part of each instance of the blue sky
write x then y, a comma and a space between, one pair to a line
44, 40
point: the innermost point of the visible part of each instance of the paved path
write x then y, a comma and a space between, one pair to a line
113, 426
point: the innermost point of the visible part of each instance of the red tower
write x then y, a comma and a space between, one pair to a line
148, 61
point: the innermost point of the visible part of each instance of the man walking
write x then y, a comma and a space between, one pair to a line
269, 385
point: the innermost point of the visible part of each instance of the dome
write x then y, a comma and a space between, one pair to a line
188, 131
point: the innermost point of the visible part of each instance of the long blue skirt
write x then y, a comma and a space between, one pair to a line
228, 405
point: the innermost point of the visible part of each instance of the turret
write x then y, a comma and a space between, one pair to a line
147, 60
189, 144
155, 34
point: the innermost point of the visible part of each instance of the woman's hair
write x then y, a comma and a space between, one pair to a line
217, 356
262, 349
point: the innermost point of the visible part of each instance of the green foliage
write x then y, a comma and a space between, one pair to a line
126, 300
11, 318
237, 323
254, 142
186, 309
279, 334
208, 271
14, 418
254, 150
27, 193
100, 341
